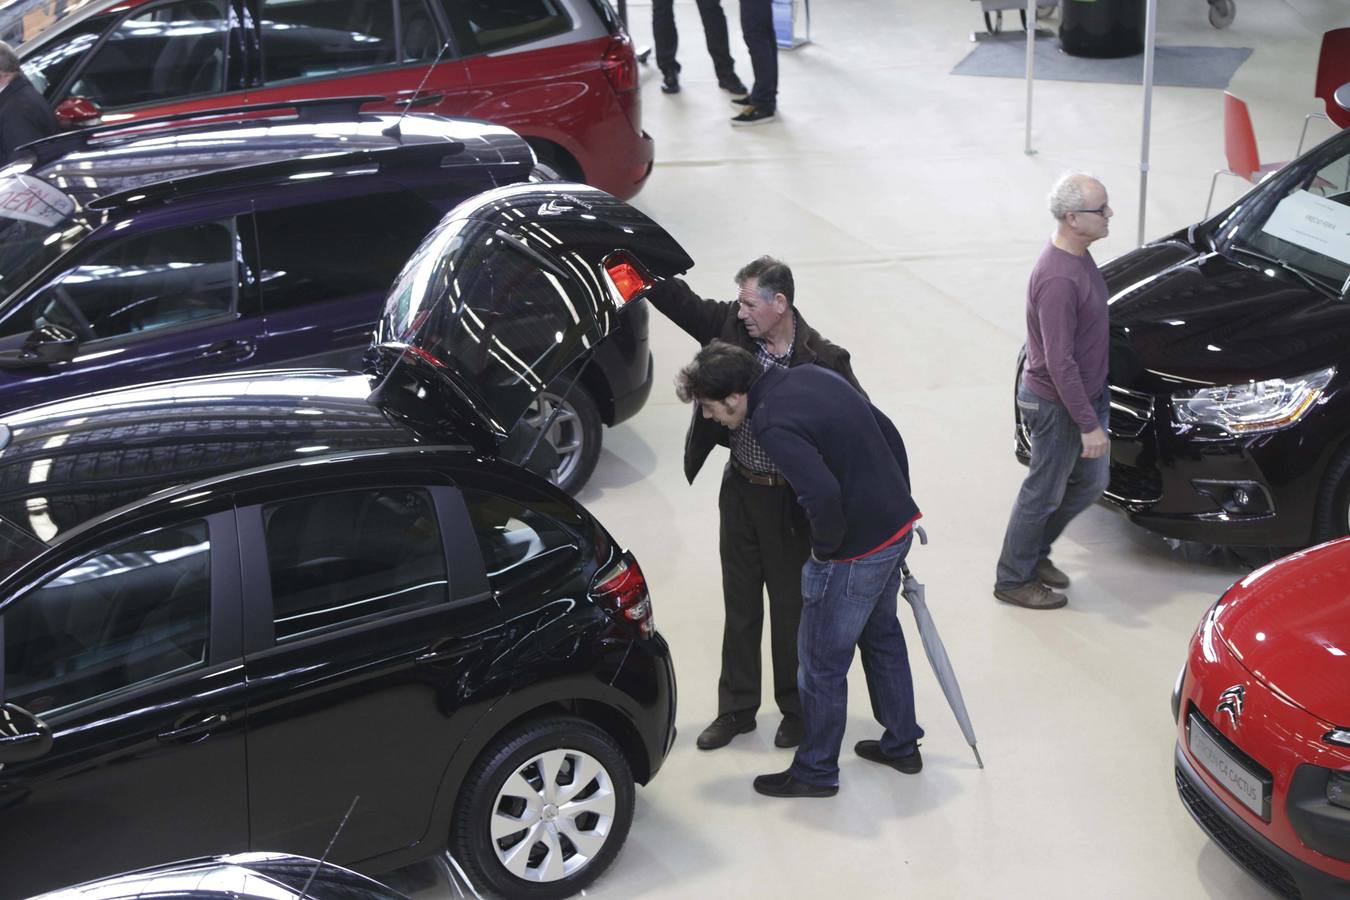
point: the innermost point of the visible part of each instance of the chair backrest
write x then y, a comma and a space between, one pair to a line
1333, 70
1239, 141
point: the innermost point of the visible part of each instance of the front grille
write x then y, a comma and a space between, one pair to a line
1244, 852
1135, 485
1131, 412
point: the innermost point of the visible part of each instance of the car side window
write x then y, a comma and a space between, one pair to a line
482, 26
343, 248
172, 50
340, 557
145, 283
136, 611
317, 38
49, 66
521, 542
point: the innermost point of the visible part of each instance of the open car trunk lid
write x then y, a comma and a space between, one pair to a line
513, 287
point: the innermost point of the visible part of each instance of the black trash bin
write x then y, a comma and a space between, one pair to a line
1102, 28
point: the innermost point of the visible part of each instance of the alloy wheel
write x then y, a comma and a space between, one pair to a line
565, 434
553, 815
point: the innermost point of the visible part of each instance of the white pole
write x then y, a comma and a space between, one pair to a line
1150, 33
1031, 65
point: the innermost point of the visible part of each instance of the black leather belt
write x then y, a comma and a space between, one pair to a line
757, 477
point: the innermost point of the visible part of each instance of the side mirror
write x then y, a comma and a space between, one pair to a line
23, 736
46, 344
78, 112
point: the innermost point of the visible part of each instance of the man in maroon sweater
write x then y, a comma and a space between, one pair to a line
1063, 396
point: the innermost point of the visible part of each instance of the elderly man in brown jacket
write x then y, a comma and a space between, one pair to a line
763, 538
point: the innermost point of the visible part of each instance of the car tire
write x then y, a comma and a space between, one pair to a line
1332, 516
576, 434
568, 848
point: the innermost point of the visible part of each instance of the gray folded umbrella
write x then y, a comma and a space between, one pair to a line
913, 592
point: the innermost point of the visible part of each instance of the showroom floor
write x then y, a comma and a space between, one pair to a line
903, 200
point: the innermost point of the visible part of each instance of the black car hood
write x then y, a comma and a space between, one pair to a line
1217, 319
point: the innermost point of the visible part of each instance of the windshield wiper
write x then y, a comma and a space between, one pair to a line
1310, 280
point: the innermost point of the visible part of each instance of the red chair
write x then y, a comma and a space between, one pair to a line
1239, 147
1333, 70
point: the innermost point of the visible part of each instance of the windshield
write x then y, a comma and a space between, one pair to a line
16, 547
1303, 221
37, 225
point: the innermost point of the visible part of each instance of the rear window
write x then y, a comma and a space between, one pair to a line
482, 26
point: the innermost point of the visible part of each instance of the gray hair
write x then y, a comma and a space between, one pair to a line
1067, 194
9, 60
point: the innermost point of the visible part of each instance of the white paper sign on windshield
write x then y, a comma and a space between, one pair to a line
30, 200
1313, 223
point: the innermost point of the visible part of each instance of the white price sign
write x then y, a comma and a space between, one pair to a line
30, 200
1313, 223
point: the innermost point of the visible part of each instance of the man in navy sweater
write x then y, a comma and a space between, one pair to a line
847, 465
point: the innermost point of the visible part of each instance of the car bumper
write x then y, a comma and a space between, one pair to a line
627, 405
1273, 866
647, 676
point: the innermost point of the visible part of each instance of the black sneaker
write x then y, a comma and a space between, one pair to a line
782, 784
742, 99
790, 732
670, 82
754, 115
724, 728
911, 763
733, 84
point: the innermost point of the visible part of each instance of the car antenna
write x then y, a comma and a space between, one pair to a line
394, 130
304, 891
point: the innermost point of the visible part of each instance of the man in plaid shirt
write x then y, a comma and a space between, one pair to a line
763, 536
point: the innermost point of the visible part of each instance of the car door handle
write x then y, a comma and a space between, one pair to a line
193, 726
446, 650
424, 100
233, 349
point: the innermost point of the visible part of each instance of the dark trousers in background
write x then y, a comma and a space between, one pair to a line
714, 30
764, 543
757, 29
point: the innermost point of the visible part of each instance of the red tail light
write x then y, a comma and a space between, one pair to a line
628, 275
622, 588
620, 64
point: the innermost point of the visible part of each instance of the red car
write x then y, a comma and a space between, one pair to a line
561, 73
1263, 723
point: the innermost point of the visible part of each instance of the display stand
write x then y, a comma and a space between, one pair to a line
993, 19
785, 20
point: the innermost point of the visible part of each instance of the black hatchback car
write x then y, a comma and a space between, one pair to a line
189, 246
1233, 426
233, 605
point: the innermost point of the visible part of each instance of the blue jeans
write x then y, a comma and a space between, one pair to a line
1059, 485
760, 40
847, 605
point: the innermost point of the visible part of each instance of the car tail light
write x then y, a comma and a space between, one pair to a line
622, 589
629, 276
620, 64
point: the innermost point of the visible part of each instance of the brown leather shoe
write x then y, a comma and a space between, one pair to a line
1032, 595
724, 728
1050, 575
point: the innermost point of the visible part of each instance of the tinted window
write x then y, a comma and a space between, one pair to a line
133, 612
343, 248
481, 26
317, 38
143, 283
50, 65
339, 557
521, 542
176, 50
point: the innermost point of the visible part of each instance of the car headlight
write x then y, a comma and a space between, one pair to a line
1253, 407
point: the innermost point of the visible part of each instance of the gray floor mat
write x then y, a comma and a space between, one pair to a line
1203, 67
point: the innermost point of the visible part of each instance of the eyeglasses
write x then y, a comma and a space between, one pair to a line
1101, 210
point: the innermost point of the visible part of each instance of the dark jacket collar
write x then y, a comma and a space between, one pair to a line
772, 377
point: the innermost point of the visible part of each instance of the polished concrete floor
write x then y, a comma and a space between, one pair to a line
903, 199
